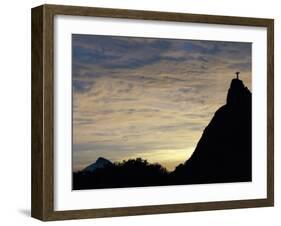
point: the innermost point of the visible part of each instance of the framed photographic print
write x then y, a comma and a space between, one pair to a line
141, 112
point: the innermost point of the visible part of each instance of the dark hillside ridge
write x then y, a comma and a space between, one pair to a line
224, 152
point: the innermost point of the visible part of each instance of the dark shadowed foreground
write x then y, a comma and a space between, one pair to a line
223, 154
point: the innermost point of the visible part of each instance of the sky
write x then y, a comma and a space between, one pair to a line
148, 97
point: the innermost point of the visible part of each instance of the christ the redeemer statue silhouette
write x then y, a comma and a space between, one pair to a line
237, 74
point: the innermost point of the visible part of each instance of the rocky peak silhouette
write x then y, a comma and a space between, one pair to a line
238, 94
224, 152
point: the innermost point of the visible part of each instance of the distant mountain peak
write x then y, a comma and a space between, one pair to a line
101, 159
99, 163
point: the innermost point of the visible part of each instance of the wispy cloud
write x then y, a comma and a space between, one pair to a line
144, 96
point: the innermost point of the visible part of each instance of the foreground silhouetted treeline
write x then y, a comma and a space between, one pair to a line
130, 173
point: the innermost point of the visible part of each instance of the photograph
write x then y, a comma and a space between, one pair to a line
139, 112
152, 111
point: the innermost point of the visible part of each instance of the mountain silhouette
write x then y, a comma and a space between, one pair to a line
100, 163
223, 154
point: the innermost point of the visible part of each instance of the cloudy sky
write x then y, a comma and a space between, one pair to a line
148, 97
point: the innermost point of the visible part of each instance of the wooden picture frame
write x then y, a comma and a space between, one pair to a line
42, 205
